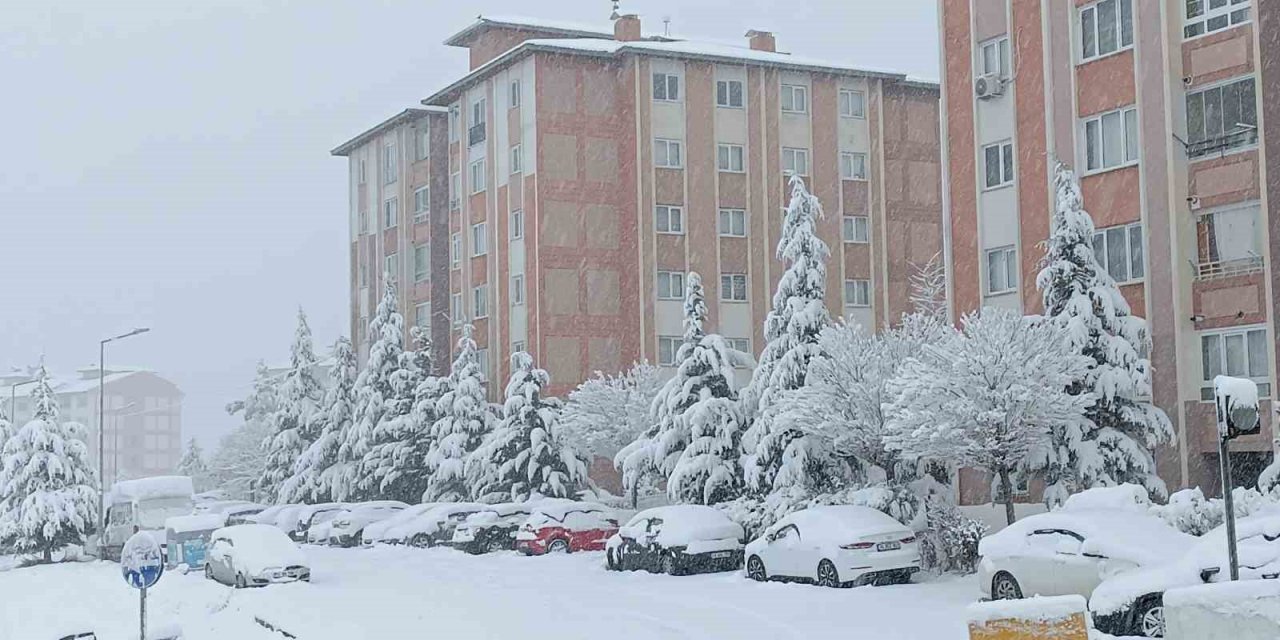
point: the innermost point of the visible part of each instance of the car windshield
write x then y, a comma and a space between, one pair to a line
153, 512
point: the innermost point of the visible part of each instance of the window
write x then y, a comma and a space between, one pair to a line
517, 159
1222, 117
729, 94
733, 287
362, 222
421, 203
517, 290
455, 188
739, 344
668, 348
476, 134
364, 328
731, 157
1111, 139
421, 142
666, 153
454, 123
455, 249
362, 172
1105, 27
480, 301
389, 265
995, 57
390, 213
671, 285
666, 87
455, 305
733, 223
513, 91
1119, 251
856, 229
1002, 270
518, 346
853, 103
1237, 352
477, 176
364, 275
517, 224
853, 166
857, 293
669, 219
482, 363
421, 263
1207, 16
479, 239
422, 316
795, 98
389, 168
997, 161
795, 161
1229, 240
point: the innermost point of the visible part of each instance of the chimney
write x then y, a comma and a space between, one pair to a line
627, 28
762, 41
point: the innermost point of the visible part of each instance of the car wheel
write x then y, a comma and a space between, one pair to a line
420, 540
610, 562
755, 569
1005, 587
1149, 618
208, 571
670, 565
827, 575
240, 581
558, 546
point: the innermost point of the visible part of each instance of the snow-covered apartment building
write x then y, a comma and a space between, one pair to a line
142, 416
1159, 106
557, 193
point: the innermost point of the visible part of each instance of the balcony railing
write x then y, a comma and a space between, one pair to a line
475, 135
1228, 268
1224, 142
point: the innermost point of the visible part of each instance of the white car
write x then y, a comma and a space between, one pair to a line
310, 514
348, 527
436, 525
1132, 604
835, 546
253, 555
1069, 552
676, 540
377, 532
271, 514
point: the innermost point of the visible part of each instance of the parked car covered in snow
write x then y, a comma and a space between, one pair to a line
835, 546
1132, 603
272, 514
310, 514
435, 526
1069, 551
565, 526
243, 513
676, 540
254, 555
347, 527
378, 531
491, 529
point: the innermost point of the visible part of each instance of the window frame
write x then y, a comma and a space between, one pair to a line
517, 290
668, 209
517, 159
671, 277
1243, 332
669, 79
1010, 269
856, 114
734, 215
792, 91
1220, 87
796, 153
391, 213
1104, 261
667, 144
849, 226
479, 239
728, 93
516, 224
455, 191
725, 151
478, 179
421, 203
1004, 57
1208, 14
855, 288
391, 265
456, 311
424, 274
418, 320
480, 301
1095, 9
514, 93
390, 162
853, 156
738, 290
421, 142
455, 249
1007, 170
674, 343
1125, 146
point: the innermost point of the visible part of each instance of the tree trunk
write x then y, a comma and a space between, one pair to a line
1006, 487
634, 492
48, 554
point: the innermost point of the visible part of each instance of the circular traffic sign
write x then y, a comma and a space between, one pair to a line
141, 562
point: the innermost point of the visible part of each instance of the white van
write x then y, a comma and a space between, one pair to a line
144, 505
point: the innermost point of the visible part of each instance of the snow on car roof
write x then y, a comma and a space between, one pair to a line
558, 508
376, 505
685, 523
1122, 534
150, 488
843, 519
1125, 497
184, 524
261, 545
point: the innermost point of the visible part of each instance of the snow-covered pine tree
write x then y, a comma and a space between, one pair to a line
317, 469
396, 461
988, 398
463, 420
776, 452
237, 464
374, 395
49, 489
1124, 428
929, 288
193, 466
526, 454
298, 397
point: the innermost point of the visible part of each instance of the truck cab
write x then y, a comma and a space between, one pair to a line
144, 505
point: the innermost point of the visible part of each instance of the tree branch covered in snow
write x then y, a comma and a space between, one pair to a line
929, 288
606, 413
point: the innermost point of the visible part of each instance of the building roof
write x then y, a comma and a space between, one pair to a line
520, 23
408, 115
63, 385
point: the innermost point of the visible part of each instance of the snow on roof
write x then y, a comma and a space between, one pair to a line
64, 384
565, 27
845, 519
1029, 609
183, 524
155, 487
685, 523
1125, 497
1122, 534
406, 115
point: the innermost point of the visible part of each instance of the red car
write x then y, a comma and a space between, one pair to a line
565, 526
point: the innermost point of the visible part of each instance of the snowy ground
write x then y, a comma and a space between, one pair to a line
401, 593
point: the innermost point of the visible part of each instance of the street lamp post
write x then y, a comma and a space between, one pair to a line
13, 399
102, 365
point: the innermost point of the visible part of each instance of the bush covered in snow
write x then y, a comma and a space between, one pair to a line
950, 540
1190, 512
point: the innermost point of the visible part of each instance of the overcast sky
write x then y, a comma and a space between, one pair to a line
167, 161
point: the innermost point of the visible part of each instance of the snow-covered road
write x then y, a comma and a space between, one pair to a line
440, 593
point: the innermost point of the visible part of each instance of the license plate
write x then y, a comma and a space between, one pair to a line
888, 546
721, 554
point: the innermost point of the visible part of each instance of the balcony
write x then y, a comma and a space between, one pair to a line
1243, 137
475, 135
1227, 268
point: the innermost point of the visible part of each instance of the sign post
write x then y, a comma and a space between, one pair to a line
1236, 400
141, 564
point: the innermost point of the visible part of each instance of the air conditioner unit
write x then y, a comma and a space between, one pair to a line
988, 85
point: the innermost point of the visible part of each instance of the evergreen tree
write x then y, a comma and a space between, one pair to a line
526, 455
1115, 445
193, 466
397, 459
238, 463
777, 454
317, 469
375, 396
299, 396
463, 420
49, 489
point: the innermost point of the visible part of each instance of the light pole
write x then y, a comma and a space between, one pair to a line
102, 392
13, 400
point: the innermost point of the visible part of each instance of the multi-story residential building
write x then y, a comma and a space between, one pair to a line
142, 423
1159, 106
580, 174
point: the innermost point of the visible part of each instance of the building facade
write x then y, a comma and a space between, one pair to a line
1159, 106
142, 417
578, 175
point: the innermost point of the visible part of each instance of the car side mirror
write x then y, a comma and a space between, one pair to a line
1207, 574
